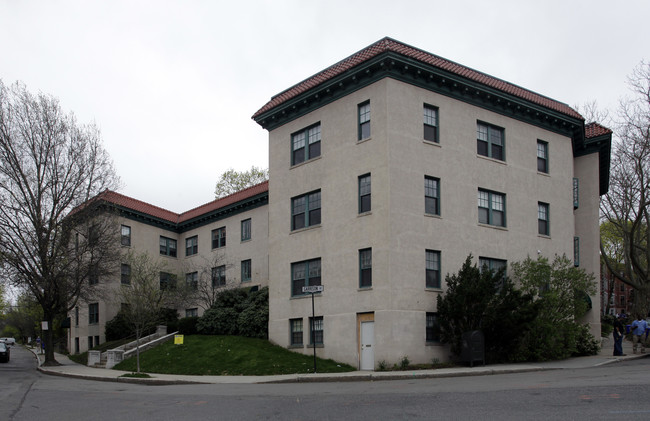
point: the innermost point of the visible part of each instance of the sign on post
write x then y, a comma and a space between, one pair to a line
178, 339
313, 288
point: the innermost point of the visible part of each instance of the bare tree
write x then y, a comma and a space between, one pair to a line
50, 165
233, 181
625, 207
142, 297
210, 280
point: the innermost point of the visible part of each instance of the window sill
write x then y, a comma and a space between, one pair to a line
364, 140
317, 346
364, 288
297, 346
218, 248
432, 143
545, 174
431, 215
305, 229
544, 236
498, 161
300, 164
364, 214
433, 289
496, 227
248, 240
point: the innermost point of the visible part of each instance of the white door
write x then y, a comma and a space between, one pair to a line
367, 345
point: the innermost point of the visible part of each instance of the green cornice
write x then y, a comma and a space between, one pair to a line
399, 67
198, 221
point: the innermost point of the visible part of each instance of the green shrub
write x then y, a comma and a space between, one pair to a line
237, 312
404, 363
118, 328
187, 325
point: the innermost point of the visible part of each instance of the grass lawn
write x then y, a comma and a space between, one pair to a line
227, 356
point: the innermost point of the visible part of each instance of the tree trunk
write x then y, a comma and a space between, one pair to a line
48, 340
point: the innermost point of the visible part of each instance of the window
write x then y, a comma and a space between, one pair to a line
125, 274
305, 144
93, 313
542, 156
431, 196
433, 328
576, 192
219, 276
191, 245
365, 268
246, 270
76, 316
491, 264
191, 312
90, 342
491, 208
543, 224
364, 120
76, 345
126, 235
167, 246
490, 141
316, 330
304, 274
192, 280
296, 331
576, 251
93, 274
219, 238
622, 288
622, 298
305, 210
364, 193
246, 229
433, 269
430, 123
167, 281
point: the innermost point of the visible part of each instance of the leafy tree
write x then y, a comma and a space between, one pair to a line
25, 317
49, 165
233, 181
561, 291
625, 206
482, 299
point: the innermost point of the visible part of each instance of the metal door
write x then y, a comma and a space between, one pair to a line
367, 345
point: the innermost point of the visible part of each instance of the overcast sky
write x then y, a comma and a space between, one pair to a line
173, 84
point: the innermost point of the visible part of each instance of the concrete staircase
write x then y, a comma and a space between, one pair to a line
112, 357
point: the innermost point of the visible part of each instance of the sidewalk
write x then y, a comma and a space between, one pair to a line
69, 368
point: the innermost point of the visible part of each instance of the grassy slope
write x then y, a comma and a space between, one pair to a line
227, 355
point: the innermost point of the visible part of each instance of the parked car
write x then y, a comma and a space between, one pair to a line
8, 341
4, 352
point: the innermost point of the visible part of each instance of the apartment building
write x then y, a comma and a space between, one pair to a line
221, 244
388, 169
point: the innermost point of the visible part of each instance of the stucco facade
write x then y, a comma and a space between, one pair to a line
147, 224
397, 230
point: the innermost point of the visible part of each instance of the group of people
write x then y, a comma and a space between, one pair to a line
638, 329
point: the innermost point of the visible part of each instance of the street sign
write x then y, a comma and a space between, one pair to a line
313, 288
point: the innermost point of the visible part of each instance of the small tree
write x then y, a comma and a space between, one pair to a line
233, 181
482, 299
143, 299
561, 291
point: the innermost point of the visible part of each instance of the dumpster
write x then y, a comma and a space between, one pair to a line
473, 347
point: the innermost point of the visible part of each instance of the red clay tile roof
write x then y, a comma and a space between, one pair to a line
157, 212
391, 45
595, 130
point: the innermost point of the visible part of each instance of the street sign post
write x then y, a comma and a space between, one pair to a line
312, 289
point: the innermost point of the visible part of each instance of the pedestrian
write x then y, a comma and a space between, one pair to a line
639, 327
619, 333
